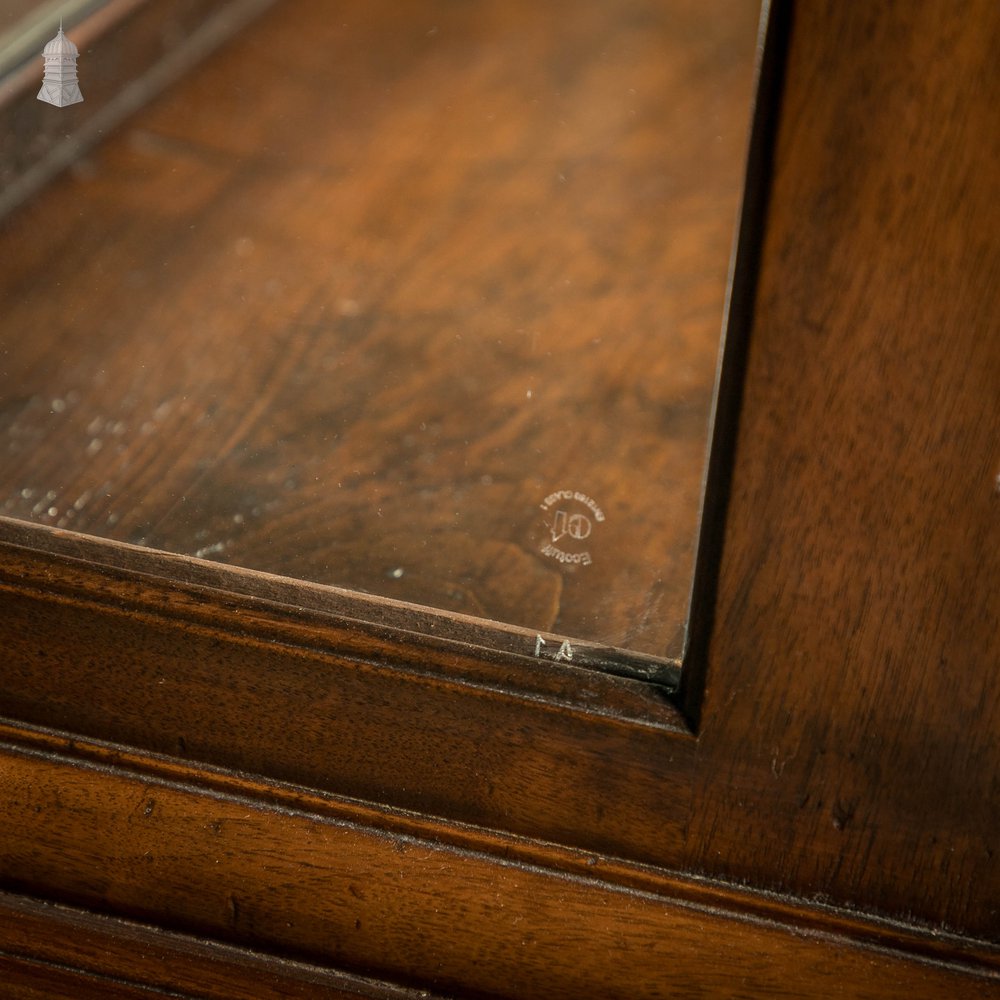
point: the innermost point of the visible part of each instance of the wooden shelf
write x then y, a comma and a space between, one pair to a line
349, 302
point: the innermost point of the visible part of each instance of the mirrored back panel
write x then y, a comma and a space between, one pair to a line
421, 300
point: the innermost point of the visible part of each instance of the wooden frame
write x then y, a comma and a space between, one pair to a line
228, 756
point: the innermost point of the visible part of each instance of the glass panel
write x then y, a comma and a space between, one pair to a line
416, 299
26, 25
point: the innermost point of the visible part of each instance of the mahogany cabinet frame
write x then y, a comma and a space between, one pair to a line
221, 783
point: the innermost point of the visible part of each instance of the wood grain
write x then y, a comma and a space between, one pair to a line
831, 826
349, 311
51, 950
333, 892
368, 711
852, 703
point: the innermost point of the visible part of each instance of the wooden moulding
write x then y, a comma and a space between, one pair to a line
371, 711
55, 950
850, 711
418, 903
216, 782
239, 724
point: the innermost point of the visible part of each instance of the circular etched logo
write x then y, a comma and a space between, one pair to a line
570, 518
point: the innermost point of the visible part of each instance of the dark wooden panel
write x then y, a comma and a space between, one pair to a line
350, 310
27, 980
61, 952
402, 907
397, 616
852, 712
847, 749
361, 710
334, 706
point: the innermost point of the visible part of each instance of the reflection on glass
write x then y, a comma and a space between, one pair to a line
26, 25
421, 300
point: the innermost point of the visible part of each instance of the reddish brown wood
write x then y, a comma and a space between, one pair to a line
358, 709
50, 950
350, 310
239, 869
24, 979
396, 616
850, 730
846, 752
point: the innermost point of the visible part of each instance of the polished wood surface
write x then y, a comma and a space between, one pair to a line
435, 726
350, 310
221, 754
51, 950
313, 880
851, 708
